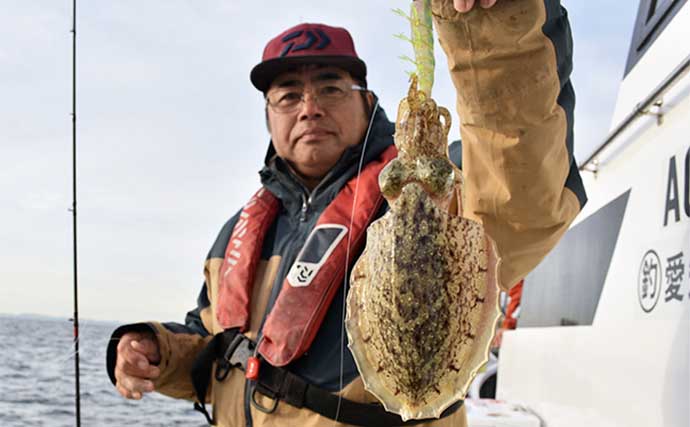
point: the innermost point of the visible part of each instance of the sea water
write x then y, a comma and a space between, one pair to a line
37, 379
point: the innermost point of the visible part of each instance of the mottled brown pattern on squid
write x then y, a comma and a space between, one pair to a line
422, 306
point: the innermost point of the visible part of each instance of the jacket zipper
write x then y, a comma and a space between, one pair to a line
308, 196
306, 202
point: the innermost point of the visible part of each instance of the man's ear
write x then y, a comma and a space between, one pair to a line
268, 122
370, 100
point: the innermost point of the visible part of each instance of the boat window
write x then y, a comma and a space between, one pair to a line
652, 18
565, 289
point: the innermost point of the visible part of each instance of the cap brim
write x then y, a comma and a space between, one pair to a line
263, 74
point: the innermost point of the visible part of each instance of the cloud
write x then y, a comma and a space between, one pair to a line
171, 135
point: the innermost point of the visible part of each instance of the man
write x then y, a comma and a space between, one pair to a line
273, 298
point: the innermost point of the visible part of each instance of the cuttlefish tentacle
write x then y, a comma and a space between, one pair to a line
422, 149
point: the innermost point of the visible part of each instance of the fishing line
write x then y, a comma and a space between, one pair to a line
56, 364
347, 260
62, 359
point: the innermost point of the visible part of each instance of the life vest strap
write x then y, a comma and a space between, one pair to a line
231, 349
221, 348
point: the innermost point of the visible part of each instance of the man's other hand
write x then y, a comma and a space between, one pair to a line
137, 355
463, 6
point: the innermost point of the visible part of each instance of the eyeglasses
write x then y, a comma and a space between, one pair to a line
326, 94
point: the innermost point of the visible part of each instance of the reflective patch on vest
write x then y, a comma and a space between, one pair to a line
319, 245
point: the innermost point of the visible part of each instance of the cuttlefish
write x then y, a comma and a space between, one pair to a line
423, 303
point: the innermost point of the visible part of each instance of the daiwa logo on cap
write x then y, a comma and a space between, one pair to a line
318, 247
306, 44
322, 38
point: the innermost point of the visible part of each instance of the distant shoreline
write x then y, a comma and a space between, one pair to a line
34, 316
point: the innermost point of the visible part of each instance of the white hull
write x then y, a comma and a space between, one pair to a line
629, 365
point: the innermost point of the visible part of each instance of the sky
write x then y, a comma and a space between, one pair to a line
171, 134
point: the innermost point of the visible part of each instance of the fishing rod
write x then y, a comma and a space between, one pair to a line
75, 318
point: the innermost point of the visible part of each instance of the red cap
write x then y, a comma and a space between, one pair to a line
308, 44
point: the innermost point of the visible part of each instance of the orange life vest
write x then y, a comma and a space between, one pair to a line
312, 281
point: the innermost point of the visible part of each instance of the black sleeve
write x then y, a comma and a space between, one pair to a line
455, 153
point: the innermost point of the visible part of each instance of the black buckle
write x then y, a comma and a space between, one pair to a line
236, 354
263, 409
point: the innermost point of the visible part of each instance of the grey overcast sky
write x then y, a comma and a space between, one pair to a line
171, 133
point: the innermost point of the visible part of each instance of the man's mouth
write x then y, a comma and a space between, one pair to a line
316, 133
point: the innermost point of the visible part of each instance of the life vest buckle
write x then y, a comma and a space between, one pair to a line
261, 408
236, 354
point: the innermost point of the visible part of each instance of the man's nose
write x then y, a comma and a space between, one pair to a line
310, 108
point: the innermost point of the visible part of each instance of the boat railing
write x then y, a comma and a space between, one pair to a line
654, 99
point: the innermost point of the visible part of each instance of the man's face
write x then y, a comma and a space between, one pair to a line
313, 137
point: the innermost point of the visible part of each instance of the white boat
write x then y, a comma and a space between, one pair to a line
604, 332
